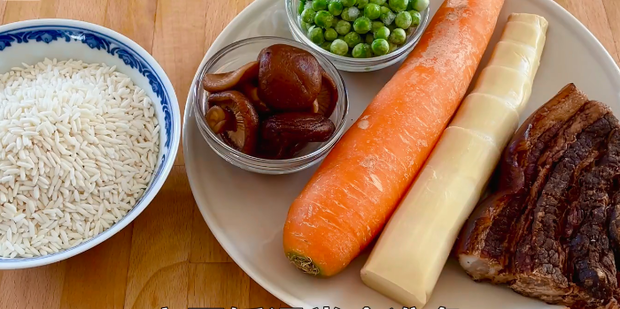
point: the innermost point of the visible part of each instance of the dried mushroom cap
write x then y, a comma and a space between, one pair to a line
241, 130
251, 92
297, 127
220, 120
279, 150
289, 78
327, 99
226, 81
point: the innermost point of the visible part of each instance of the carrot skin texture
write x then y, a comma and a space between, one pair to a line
352, 195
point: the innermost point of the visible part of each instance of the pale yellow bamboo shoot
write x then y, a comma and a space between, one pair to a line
414, 246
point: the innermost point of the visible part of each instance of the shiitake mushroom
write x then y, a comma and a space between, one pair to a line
232, 115
279, 136
289, 78
279, 150
284, 135
272, 108
327, 98
250, 90
221, 119
226, 81
297, 127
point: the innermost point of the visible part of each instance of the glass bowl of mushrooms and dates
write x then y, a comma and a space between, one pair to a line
270, 105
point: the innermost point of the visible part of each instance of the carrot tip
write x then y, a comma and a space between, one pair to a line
304, 264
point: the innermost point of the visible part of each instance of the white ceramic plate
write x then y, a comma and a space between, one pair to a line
246, 211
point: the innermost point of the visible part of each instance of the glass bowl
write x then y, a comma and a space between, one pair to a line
349, 64
238, 54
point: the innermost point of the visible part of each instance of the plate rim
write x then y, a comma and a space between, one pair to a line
283, 296
561, 13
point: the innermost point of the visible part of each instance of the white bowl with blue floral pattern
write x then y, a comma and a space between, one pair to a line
34, 40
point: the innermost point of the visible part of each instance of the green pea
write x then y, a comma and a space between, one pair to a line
380, 47
379, 2
382, 33
418, 5
398, 36
352, 39
362, 25
326, 46
399, 5
403, 20
339, 47
362, 50
302, 7
316, 35
330, 34
343, 27
416, 18
319, 5
335, 8
369, 38
393, 47
409, 31
335, 21
376, 25
308, 15
348, 3
305, 26
350, 14
361, 4
323, 19
388, 17
372, 11
368, 50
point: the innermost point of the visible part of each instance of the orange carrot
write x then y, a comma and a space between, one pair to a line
359, 184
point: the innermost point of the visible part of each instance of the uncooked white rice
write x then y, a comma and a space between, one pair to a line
78, 146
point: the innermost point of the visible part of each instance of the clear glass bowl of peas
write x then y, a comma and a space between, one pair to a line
359, 35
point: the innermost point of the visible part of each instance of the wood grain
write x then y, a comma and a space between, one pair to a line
33, 288
48, 9
261, 298
205, 248
21, 10
121, 16
93, 11
161, 241
592, 14
168, 257
612, 9
94, 266
218, 285
179, 26
2, 11
168, 288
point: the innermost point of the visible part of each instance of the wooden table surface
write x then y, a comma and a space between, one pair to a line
168, 257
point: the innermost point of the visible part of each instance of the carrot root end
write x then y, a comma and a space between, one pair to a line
304, 264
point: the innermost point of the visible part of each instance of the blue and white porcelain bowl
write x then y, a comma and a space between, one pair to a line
34, 40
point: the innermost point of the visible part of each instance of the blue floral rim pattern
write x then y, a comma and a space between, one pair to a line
95, 40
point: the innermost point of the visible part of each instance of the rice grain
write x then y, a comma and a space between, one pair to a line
79, 145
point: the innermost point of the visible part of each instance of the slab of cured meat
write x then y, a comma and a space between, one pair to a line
551, 230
